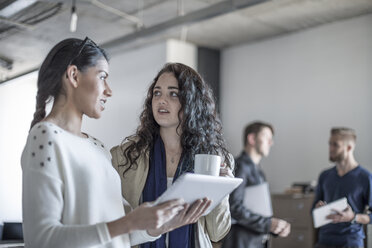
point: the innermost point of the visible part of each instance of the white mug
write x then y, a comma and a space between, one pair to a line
207, 164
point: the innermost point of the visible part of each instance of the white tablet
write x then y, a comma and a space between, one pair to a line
191, 187
320, 214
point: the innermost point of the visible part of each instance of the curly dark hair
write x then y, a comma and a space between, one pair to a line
200, 124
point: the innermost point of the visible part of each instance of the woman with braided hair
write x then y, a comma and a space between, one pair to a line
71, 193
179, 120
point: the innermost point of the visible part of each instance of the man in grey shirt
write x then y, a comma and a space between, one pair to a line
251, 230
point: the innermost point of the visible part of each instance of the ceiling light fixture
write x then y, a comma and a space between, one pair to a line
15, 7
74, 17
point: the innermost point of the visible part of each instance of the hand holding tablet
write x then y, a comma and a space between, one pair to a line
321, 213
191, 187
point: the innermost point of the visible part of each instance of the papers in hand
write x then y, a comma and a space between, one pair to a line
320, 214
257, 199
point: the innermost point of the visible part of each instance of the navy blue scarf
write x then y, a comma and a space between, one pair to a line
156, 184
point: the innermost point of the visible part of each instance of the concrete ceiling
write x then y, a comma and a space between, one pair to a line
211, 23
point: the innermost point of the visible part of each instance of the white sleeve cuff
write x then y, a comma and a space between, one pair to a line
103, 233
139, 237
148, 236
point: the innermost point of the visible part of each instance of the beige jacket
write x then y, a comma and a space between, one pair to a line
212, 227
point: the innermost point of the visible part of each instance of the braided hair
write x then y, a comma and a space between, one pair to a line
83, 54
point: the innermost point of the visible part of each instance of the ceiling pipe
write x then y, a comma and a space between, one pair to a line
6, 63
18, 24
217, 9
128, 17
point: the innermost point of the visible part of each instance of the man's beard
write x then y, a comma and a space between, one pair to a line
336, 158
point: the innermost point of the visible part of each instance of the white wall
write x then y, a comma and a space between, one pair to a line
184, 52
304, 84
17, 105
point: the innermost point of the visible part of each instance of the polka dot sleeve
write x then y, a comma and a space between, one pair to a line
41, 153
43, 194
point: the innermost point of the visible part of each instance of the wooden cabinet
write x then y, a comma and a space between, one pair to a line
296, 209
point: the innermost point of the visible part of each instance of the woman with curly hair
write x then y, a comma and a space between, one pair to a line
179, 120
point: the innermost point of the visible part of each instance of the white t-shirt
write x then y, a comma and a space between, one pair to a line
70, 190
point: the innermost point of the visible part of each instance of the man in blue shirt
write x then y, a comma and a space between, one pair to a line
346, 179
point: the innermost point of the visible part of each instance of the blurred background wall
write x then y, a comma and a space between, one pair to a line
304, 84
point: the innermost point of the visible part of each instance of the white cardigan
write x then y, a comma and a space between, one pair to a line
70, 190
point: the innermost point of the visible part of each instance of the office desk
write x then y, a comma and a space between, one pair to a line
296, 209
